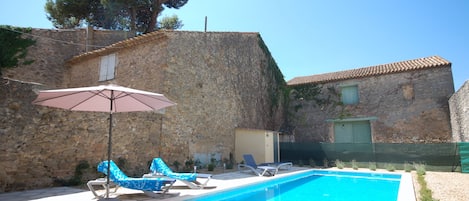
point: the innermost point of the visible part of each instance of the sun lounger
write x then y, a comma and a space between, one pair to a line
149, 186
100, 182
251, 165
263, 169
159, 168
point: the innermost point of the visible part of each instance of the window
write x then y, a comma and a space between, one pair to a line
349, 94
107, 68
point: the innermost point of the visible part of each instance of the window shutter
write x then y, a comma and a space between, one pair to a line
103, 69
107, 68
350, 95
111, 66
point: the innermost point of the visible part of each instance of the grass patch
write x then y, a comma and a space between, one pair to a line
425, 192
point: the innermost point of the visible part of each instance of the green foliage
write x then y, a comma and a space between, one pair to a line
188, 165
278, 89
372, 166
339, 164
211, 167
312, 163
306, 92
65, 14
212, 164
407, 167
229, 163
354, 165
198, 163
176, 165
420, 168
425, 192
14, 47
389, 167
138, 16
77, 177
300, 163
325, 163
170, 23
311, 92
121, 162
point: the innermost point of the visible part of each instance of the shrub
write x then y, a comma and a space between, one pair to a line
212, 164
77, 177
354, 165
188, 164
420, 168
389, 167
325, 163
407, 167
176, 165
372, 166
339, 164
229, 163
211, 167
300, 163
312, 163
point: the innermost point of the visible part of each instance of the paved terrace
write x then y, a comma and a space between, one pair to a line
177, 193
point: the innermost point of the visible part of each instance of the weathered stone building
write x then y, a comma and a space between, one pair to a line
459, 107
402, 102
220, 81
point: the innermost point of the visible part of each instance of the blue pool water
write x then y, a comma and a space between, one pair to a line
317, 185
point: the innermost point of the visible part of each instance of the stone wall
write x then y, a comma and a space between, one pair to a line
459, 107
409, 107
54, 47
220, 81
42, 146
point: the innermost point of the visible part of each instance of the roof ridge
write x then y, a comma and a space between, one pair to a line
129, 42
395, 67
137, 40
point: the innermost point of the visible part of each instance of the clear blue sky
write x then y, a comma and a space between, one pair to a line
309, 37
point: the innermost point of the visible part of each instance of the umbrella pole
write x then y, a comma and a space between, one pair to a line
109, 143
109, 154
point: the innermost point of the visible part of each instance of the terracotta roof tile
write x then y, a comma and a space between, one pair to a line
153, 36
397, 67
145, 38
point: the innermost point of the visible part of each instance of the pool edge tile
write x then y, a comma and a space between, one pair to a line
406, 188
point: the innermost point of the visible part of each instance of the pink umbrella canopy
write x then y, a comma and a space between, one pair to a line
103, 98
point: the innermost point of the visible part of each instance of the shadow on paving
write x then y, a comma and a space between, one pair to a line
40, 193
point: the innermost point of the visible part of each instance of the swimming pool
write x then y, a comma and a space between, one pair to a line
317, 185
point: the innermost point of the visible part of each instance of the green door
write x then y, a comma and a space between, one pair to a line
352, 132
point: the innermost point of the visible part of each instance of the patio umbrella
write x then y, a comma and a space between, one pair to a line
104, 98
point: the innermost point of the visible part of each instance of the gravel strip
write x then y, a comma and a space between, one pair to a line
447, 186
